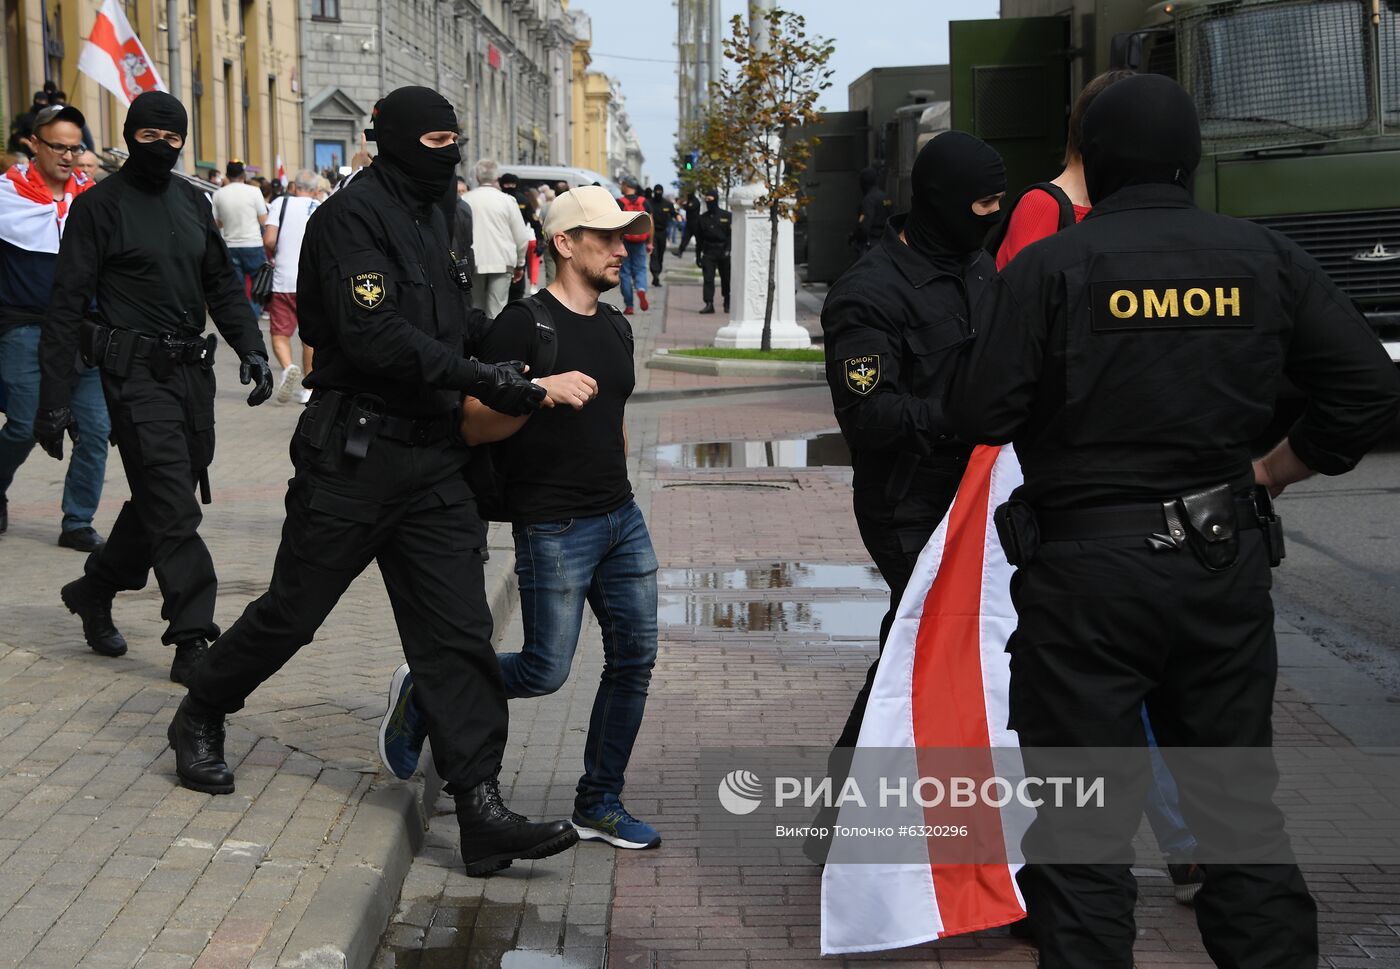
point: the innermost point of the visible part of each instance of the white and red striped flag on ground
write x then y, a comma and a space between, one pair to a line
942, 683
113, 56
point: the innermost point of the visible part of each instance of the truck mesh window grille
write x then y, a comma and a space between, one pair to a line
1336, 239
1390, 66
1009, 102
1278, 74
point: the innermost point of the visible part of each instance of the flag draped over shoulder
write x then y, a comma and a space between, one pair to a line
30, 217
942, 682
113, 56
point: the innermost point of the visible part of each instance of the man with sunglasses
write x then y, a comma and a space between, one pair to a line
34, 201
141, 260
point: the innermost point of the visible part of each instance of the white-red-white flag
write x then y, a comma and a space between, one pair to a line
942, 682
281, 172
113, 56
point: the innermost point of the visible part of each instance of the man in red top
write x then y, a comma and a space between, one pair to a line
639, 245
1044, 209
34, 202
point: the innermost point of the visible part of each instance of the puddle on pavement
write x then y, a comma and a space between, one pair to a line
776, 575
481, 934
846, 618
821, 450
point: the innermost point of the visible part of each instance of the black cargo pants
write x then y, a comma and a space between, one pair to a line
713, 261
408, 508
658, 254
894, 536
164, 430
1105, 626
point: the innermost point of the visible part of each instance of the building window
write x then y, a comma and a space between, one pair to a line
325, 9
330, 155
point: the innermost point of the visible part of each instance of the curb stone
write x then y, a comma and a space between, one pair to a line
718, 367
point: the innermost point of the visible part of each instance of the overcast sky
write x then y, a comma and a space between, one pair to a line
891, 33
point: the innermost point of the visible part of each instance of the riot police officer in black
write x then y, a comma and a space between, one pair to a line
893, 325
874, 214
143, 248
1132, 359
380, 478
712, 237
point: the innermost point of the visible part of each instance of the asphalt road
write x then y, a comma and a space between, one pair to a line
1339, 581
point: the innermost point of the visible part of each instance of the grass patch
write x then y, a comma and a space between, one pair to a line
810, 355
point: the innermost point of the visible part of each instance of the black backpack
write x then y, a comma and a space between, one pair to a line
998, 236
485, 473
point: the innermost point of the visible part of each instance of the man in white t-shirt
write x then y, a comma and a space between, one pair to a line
286, 224
240, 212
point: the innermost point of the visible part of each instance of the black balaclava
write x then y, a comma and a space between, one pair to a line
1142, 130
401, 118
658, 192
149, 165
951, 172
711, 200
869, 178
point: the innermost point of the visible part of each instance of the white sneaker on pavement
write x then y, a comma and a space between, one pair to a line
303, 396
291, 381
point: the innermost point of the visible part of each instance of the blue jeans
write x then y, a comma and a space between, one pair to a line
608, 561
247, 260
19, 371
1164, 806
634, 271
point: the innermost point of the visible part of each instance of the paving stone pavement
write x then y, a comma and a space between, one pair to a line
104, 860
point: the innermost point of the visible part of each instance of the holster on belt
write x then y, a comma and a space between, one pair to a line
362, 424
1018, 531
1269, 524
1207, 519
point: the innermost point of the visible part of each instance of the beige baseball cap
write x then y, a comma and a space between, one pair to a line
591, 207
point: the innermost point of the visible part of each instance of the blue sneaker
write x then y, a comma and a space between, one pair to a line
403, 729
607, 820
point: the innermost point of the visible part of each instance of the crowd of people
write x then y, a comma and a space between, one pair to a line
465, 369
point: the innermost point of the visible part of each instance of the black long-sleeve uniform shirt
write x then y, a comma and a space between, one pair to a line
893, 324
153, 261
714, 231
1137, 355
377, 298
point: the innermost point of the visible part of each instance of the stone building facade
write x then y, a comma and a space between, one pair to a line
504, 65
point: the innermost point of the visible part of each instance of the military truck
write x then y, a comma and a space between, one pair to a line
1299, 105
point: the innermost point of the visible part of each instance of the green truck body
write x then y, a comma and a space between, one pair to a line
1299, 105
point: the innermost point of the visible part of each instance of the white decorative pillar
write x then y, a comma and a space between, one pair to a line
748, 278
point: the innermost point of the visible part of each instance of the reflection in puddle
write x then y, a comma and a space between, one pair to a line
466, 933
833, 617
776, 575
822, 450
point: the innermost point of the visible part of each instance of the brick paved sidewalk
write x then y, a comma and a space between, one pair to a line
104, 860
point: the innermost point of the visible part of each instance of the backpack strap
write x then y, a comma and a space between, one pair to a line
544, 341
620, 323
1066, 219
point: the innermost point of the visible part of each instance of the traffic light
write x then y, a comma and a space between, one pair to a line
691, 159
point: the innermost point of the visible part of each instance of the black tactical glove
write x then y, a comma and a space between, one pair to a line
699, 259
503, 387
49, 426
254, 370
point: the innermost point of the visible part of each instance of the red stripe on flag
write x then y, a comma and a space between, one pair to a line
950, 709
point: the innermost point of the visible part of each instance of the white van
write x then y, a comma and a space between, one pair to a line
533, 176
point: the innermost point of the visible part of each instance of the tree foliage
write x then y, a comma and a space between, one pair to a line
758, 113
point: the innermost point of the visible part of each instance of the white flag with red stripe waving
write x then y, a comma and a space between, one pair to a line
113, 56
942, 682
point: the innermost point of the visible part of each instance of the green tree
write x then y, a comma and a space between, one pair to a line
779, 73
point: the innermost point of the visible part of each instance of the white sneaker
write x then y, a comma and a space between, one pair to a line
291, 381
303, 396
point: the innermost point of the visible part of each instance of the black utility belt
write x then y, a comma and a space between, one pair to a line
364, 418
115, 350
1206, 522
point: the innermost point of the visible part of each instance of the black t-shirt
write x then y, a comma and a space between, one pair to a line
566, 463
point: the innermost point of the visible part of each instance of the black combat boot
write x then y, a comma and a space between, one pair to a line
94, 608
188, 655
4, 514
726, 304
709, 308
493, 835
199, 751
